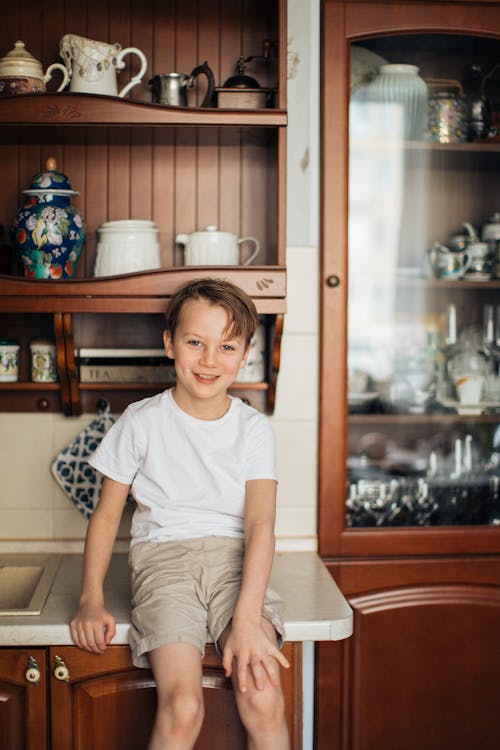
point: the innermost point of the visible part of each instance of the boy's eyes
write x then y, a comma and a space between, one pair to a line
224, 347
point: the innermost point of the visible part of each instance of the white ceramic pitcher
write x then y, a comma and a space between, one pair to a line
93, 66
214, 248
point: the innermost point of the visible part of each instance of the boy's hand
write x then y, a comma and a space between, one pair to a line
92, 628
253, 653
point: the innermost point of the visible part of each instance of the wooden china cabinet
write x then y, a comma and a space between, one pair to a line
185, 168
409, 508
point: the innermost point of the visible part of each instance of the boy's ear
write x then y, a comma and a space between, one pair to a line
168, 344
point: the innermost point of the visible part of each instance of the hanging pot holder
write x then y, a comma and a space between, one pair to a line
71, 469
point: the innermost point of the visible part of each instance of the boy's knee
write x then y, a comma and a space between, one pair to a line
183, 711
262, 709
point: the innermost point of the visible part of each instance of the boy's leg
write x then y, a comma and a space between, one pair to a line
262, 712
177, 672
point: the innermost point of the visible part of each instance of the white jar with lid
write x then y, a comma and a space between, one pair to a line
43, 361
9, 361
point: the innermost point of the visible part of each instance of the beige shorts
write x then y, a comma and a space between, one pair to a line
186, 592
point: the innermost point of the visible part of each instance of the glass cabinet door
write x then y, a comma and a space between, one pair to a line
423, 311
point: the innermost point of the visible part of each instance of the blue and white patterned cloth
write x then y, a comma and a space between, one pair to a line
72, 471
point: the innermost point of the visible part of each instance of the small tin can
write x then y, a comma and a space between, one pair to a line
43, 361
9, 361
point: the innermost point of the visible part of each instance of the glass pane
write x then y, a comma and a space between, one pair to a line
424, 282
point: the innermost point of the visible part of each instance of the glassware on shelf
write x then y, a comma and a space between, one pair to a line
447, 111
458, 487
400, 86
470, 380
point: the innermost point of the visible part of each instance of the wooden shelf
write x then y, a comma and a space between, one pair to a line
145, 292
94, 110
488, 147
428, 283
414, 419
261, 386
28, 385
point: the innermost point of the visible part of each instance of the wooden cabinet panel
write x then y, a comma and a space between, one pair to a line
108, 703
423, 665
23, 723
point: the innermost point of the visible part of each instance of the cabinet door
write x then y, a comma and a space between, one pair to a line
23, 694
422, 668
410, 391
106, 702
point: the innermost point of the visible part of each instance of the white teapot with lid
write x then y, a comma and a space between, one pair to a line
213, 248
21, 73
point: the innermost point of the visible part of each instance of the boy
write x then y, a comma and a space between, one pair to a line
200, 464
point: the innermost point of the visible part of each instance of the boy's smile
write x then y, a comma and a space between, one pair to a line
207, 358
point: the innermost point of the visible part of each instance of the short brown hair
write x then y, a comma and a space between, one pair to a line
241, 311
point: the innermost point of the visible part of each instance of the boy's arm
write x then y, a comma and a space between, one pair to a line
92, 627
248, 643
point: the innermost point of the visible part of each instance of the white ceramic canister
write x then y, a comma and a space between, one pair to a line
9, 361
43, 361
127, 246
400, 86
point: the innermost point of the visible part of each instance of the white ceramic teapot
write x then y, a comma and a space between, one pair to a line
214, 248
21, 73
93, 66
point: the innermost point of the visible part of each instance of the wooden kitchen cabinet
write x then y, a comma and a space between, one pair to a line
23, 699
408, 474
422, 667
87, 702
184, 168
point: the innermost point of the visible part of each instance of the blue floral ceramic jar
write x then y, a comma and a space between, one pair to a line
48, 232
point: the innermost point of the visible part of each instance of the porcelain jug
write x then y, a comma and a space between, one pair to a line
447, 264
21, 73
170, 89
214, 248
93, 66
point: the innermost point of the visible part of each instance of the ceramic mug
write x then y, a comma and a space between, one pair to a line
480, 263
93, 66
469, 388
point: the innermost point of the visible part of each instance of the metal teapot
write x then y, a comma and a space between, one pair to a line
447, 264
170, 89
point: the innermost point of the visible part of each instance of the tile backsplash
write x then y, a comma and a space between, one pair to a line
33, 506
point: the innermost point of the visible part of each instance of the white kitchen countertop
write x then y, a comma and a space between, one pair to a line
315, 609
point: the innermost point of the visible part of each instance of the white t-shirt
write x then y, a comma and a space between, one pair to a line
188, 475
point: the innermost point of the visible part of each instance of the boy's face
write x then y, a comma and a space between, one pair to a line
207, 359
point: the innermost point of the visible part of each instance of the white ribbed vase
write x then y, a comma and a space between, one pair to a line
401, 84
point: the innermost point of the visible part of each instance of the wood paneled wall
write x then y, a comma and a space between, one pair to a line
183, 179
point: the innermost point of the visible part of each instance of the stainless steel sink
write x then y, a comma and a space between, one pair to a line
25, 582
